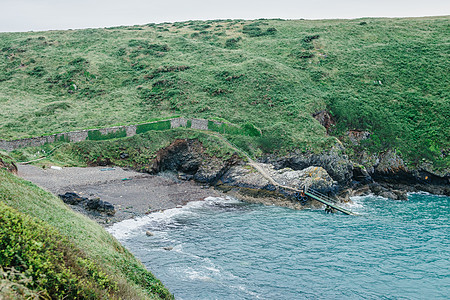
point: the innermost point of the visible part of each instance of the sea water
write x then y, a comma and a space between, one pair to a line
223, 248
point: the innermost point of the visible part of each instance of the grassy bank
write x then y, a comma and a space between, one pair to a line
137, 152
386, 76
48, 249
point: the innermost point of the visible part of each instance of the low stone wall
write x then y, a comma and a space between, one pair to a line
83, 135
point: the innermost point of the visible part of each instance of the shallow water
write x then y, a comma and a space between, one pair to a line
227, 249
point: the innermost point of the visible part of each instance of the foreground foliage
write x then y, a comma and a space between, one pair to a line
57, 267
41, 239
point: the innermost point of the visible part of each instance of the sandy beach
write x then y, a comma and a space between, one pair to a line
132, 193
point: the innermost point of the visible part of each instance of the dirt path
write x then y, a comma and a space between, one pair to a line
132, 193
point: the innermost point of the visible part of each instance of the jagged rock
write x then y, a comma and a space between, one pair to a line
337, 165
361, 175
211, 171
100, 206
312, 177
72, 198
401, 195
187, 157
390, 164
376, 188
90, 204
183, 176
389, 193
182, 155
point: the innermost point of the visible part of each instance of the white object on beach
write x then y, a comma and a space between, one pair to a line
55, 168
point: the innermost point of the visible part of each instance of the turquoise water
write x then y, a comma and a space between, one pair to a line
226, 249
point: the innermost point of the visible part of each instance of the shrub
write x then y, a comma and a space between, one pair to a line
38, 71
310, 38
58, 269
232, 43
253, 30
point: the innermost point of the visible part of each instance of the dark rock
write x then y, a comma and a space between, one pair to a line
389, 169
361, 175
388, 194
100, 206
337, 165
185, 177
182, 155
401, 195
90, 204
212, 171
188, 159
72, 198
376, 188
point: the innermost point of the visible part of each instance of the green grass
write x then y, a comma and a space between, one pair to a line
163, 125
40, 217
141, 150
57, 268
96, 135
387, 76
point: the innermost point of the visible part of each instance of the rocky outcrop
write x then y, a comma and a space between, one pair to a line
252, 186
187, 157
389, 169
337, 164
94, 205
183, 155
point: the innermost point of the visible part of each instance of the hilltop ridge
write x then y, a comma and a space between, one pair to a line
382, 79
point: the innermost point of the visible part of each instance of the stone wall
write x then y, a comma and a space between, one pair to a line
82, 135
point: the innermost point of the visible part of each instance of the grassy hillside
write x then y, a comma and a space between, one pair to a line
58, 253
387, 76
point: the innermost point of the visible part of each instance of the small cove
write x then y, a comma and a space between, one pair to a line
227, 249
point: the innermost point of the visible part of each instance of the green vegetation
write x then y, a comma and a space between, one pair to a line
385, 76
163, 125
58, 268
141, 150
96, 135
226, 128
50, 250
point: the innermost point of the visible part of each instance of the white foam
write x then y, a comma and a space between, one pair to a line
196, 275
127, 228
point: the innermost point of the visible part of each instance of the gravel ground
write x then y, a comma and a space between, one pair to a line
132, 194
